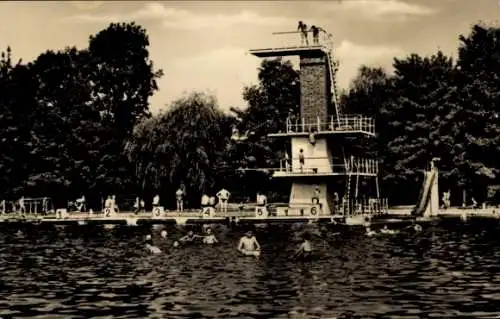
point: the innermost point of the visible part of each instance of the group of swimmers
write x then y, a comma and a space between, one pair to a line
369, 232
247, 245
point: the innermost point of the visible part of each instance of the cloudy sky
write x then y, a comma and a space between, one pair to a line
204, 45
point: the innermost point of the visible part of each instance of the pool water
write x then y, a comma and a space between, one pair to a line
90, 272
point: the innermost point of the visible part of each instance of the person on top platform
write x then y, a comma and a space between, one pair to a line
315, 33
302, 27
179, 196
223, 196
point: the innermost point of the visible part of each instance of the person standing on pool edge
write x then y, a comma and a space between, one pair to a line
248, 244
179, 195
223, 196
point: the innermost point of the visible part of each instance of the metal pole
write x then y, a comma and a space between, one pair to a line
357, 186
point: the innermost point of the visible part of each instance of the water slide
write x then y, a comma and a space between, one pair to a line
425, 194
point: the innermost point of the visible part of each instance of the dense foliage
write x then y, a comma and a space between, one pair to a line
67, 116
77, 122
436, 107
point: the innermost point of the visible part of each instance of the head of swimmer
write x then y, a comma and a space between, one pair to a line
306, 237
249, 234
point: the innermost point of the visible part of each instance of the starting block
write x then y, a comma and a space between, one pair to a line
108, 212
158, 211
208, 211
62, 213
261, 212
314, 211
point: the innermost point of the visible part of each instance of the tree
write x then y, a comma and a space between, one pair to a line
478, 62
70, 113
183, 145
269, 104
122, 79
17, 102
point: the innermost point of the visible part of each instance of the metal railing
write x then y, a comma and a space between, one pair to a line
356, 165
367, 206
317, 124
353, 165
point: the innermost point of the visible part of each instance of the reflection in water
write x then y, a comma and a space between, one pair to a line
90, 272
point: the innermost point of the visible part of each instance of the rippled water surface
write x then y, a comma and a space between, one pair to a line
92, 272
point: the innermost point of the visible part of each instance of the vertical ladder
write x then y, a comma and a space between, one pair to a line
333, 84
347, 193
333, 71
347, 196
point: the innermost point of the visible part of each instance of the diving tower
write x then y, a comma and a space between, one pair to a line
328, 177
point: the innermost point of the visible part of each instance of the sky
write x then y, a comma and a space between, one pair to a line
203, 46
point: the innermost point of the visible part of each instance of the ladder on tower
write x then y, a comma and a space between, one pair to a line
335, 96
347, 196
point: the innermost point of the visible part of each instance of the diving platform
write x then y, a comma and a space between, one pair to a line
309, 50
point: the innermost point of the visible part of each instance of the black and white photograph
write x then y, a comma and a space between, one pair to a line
332, 159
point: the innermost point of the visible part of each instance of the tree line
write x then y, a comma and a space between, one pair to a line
77, 121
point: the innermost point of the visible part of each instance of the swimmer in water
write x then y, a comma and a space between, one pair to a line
417, 228
150, 247
190, 237
249, 245
164, 234
386, 230
370, 232
305, 249
209, 237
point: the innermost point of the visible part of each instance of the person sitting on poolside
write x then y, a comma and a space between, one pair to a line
305, 249
190, 237
248, 244
209, 237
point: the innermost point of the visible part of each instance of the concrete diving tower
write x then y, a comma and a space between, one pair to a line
318, 155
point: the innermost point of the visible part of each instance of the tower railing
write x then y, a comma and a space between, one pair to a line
316, 124
353, 165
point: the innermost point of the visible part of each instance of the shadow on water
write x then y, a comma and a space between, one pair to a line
88, 271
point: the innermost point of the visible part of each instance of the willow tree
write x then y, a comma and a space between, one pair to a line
181, 146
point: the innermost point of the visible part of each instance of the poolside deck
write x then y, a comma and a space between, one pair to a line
395, 215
